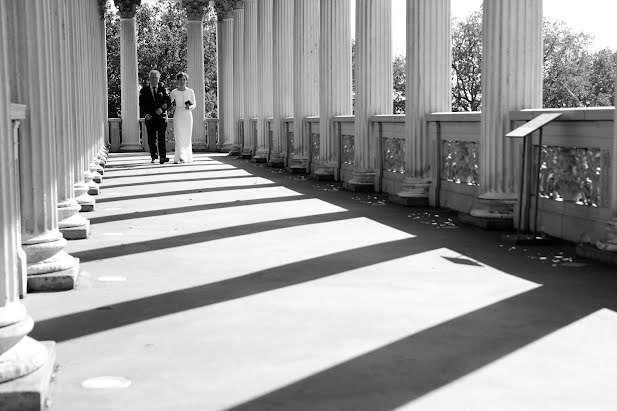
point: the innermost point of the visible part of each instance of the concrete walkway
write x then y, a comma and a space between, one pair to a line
226, 285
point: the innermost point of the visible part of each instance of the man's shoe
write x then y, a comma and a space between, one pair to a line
153, 160
164, 160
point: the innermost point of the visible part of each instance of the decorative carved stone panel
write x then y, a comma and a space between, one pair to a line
394, 155
315, 143
459, 162
348, 154
578, 175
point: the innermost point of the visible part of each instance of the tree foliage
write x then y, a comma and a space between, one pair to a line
161, 45
467, 63
398, 77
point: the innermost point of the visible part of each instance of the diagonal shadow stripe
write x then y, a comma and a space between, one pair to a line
198, 207
175, 193
186, 180
204, 236
398, 373
100, 319
141, 166
177, 172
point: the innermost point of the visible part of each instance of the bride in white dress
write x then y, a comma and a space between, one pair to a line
183, 101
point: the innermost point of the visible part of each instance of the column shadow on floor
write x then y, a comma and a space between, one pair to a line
177, 172
188, 209
186, 180
180, 192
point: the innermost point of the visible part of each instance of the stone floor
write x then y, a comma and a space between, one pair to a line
226, 285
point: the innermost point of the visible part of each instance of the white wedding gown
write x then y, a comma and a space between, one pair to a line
183, 125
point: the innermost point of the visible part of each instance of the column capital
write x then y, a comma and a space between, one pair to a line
127, 8
195, 8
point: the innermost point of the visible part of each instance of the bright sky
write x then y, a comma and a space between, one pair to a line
595, 17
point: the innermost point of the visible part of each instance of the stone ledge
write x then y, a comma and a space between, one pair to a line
76, 233
59, 281
322, 177
259, 160
276, 164
593, 253
409, 201
30, 392
297, 170
246, 156
486, 223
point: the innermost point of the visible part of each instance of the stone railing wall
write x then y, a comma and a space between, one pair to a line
455, 159
344, 127
311, 127
575, 172
390, 134
115, 134
288, 143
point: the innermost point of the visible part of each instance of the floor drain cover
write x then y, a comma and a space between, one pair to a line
112, 278
106, 382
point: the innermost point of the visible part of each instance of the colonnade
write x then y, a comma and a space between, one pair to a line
53, 117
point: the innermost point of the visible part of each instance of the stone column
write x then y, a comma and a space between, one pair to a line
427, 89
282, 67
19, 355
609, 242
227, 116
195, 57
306, 77
49, 266
71, 224
129, 82
334, 79
373, 84
264, 80
220, 80
238, 74
75, 70
250, 75
103, 46
511, 80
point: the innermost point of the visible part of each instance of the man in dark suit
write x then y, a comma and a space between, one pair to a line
153, 104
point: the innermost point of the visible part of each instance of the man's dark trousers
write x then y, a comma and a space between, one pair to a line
156, 136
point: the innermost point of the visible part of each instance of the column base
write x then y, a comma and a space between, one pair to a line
93, 188
247, 153
606, 255
31, 391
261, 156
235, 150
298, 165
323, 172
414, 192
609, 242
130, 147
361, 182
491, 211
60, 280
96, 167
75, 227
225, 148
259, 159
200, 147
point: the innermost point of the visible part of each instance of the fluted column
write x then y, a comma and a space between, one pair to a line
282, 66
71, 224
609, 242
128, 75
220, 80
306, 77
264, 80
195, 57
19, 354
75, 70
103, 47
427, 90
227, 116
238, 68
95, 77
334, 79
373, 83
49, 266
511, 80
250, 75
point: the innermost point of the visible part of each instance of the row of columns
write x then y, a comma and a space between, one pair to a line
129, 81
311, 66
53, 117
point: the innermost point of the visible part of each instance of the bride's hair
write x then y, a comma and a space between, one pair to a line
180, 74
